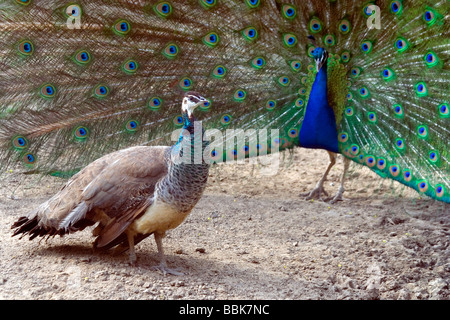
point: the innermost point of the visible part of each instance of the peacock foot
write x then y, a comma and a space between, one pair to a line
315, 193
337, 197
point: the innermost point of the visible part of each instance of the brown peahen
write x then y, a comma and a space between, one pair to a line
131, 194
368, 80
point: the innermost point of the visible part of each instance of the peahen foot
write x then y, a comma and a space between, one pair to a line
163, 265
165, 270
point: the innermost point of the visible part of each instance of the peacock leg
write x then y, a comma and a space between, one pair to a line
163, 265
340, 192
316, 193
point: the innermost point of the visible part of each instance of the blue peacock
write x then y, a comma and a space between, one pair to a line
81, 79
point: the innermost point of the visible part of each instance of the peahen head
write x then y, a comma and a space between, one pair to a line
320, 55
191, 101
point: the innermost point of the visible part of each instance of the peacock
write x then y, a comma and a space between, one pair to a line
131, 193
366, 79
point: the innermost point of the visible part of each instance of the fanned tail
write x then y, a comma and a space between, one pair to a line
85, 78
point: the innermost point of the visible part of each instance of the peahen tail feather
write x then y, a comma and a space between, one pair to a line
81, 79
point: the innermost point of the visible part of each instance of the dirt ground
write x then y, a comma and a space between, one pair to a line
251, 236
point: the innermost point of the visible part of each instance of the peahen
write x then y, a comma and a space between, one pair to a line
368, 80
131, 193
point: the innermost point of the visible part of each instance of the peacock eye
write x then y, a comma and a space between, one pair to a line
289, 12
163, 9
121, 27
211, 39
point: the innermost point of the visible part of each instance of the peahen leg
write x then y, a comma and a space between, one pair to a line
131, 252
316, 193
163, 264
338, 196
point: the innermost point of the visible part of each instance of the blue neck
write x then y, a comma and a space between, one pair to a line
195, 147
319, 125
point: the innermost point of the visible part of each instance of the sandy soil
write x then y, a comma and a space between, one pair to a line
251, 236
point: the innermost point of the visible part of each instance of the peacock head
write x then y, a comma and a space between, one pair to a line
191, 101
320, 55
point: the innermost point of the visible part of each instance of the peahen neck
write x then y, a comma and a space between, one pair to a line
318, 130
188, 173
